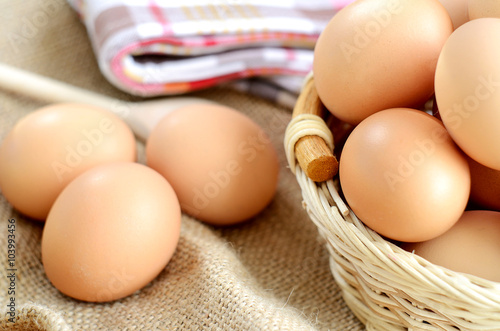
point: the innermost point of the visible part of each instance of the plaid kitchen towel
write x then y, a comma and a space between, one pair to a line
161, 47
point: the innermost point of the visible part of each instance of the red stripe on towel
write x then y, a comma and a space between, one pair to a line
158, 15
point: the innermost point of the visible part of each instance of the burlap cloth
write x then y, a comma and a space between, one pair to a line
270, 273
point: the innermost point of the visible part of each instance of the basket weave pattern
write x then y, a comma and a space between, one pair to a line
387, 287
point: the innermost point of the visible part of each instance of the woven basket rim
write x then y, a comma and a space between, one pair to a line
387, 287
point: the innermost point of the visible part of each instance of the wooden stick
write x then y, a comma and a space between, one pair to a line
141, 116
313, 154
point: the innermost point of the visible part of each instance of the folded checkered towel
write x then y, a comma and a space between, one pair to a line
161, 47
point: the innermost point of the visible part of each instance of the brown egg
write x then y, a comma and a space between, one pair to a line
49, 147
458, 11
110, 232
375, 55
483, 8
403, 176
221, 164
467, 89
485, 186
471, 246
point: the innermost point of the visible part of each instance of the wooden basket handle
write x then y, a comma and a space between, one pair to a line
313, 144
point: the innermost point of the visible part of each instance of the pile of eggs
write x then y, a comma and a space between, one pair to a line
112, 224
428, 179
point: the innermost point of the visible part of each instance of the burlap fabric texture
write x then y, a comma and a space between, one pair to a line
270, 273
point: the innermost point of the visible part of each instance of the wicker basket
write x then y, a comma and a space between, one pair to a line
386, 287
